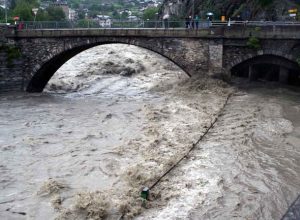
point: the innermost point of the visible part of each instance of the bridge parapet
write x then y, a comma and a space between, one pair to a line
223, 32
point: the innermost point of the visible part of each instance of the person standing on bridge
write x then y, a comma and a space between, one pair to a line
187, 22
197, 19
166, 20
191, 22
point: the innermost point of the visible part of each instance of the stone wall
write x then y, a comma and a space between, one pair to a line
43, 56
205, 51
11, 72
236, 51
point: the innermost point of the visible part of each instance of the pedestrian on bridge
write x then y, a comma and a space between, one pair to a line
197, 19
187, 22
166, 20
191, 22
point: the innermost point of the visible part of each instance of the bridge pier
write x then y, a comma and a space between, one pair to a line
252, 75
283, 74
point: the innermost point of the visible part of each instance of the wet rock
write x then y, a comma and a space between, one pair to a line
129, 60
109, 63
128, 71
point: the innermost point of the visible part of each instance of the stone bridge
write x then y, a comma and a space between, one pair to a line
29, 58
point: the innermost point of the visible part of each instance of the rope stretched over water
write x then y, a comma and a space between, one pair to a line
195, 144
192, 148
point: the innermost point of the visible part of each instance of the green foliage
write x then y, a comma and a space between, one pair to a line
94, 7
124, 15
298, 60
74, 3
115, 14
12, 53
55, 14
253, 42
86, 23
265, 3
23, 10
42, 16
239, 10
2, 14
150, 13
13, 4
81, 15
257, 29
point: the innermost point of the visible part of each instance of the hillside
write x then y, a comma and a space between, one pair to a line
244, 9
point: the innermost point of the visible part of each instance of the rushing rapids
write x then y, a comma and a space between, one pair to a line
114, 118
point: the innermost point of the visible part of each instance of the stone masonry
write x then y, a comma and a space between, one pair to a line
211, 51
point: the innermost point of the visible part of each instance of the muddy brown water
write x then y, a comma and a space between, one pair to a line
247, 167
86, 137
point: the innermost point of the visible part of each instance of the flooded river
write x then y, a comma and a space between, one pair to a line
115, 118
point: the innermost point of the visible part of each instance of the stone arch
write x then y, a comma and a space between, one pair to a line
271, 53
42, 72
272, 66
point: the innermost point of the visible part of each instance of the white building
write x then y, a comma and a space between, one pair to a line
104, 20
72, 14
133, 18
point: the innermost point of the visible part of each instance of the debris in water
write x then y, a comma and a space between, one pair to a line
50, 187
93, 205
56, 202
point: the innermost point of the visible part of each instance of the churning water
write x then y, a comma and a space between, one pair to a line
116, 117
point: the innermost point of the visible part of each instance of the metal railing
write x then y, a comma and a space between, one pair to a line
256, 23
140, 24
114, 24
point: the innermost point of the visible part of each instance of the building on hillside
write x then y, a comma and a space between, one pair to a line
104, 20
133, 18
5, 3
44, 5
126, 11
63, 5
151, 4
73, 15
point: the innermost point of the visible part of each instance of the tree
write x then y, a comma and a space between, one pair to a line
56, 13
265, 3
13, 4
124, 15
23, 10
116, 14
150, 13
42, 15
81, 15
2, 14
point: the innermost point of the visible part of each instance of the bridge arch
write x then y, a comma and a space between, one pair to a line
270, 66
43, 71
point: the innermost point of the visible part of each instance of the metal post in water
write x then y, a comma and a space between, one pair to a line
145, 193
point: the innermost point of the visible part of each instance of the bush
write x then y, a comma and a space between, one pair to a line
253, 42
12, 53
